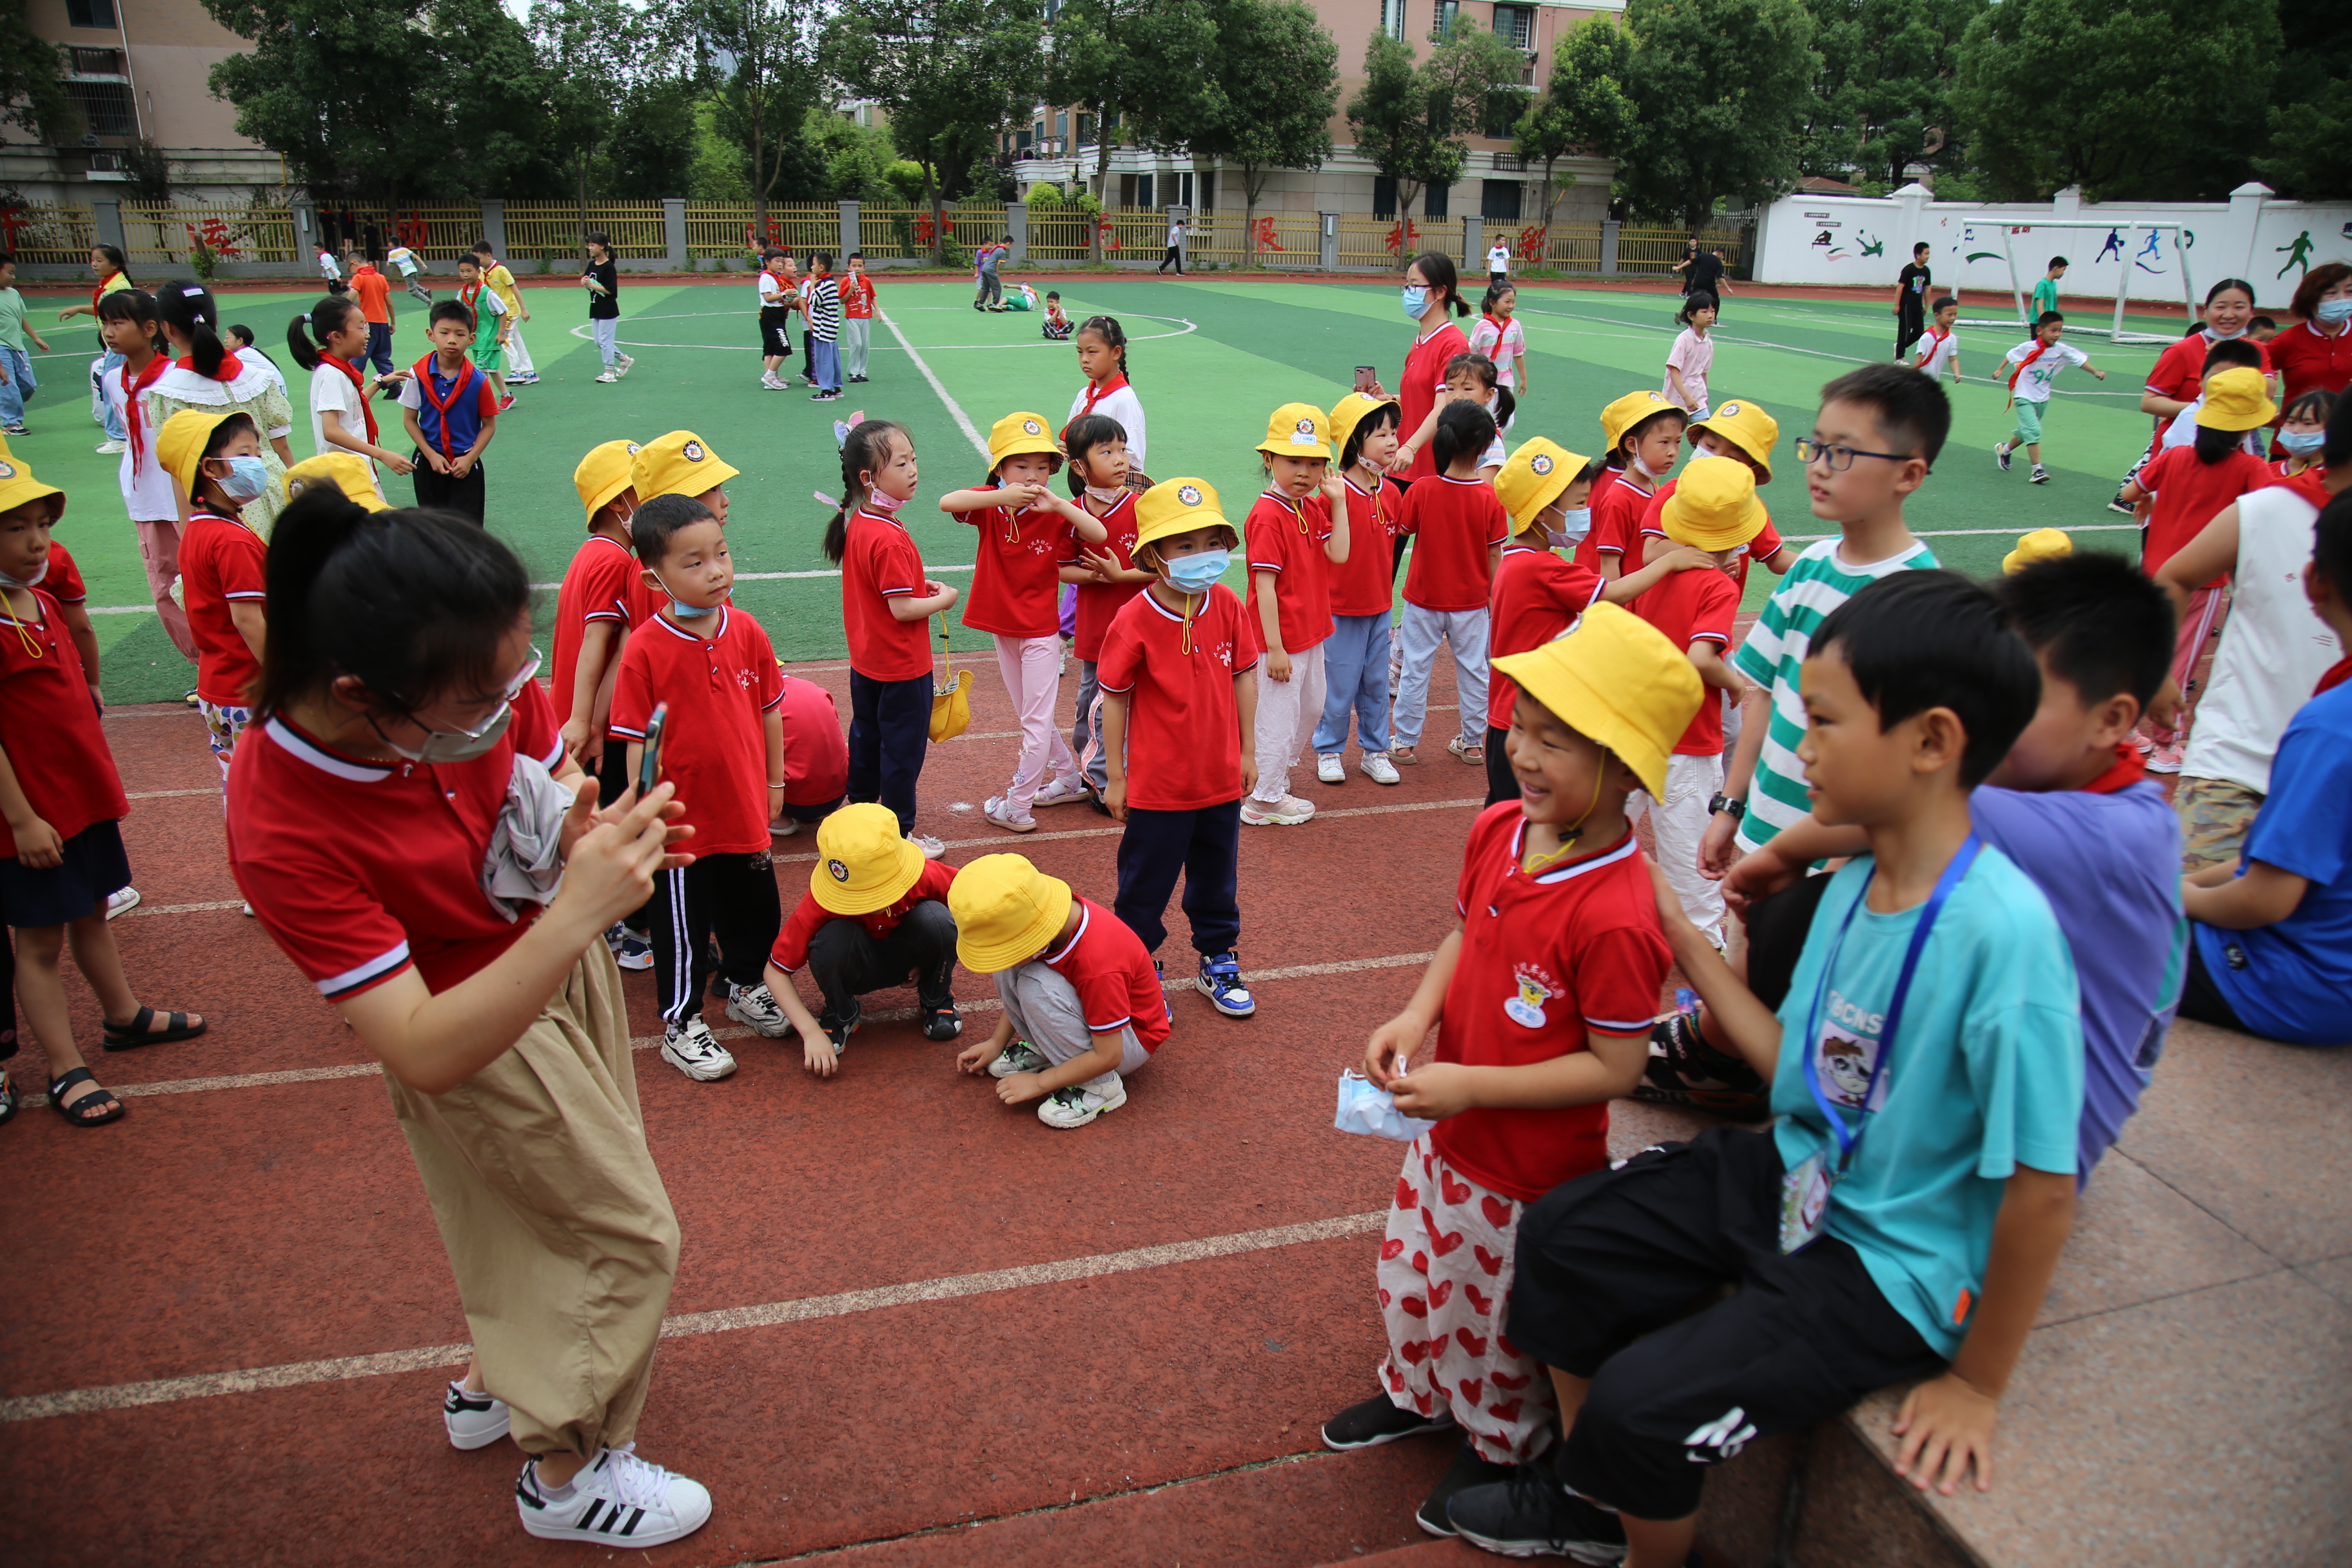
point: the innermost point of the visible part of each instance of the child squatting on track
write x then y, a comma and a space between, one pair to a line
1542, 996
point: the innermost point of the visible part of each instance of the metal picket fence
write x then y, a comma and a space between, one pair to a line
161, 235
47, 233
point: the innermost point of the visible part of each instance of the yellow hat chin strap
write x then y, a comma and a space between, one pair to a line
1574, 830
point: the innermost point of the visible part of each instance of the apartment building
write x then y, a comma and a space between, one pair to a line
136, 71
1058, 145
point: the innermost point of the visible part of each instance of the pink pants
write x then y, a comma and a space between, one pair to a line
1032, 669
159, 551
1445, 1289
2208, 608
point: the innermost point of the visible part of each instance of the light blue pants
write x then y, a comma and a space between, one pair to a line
112, 420
1356, 678
20, 385
608, 334
1466, 631
824, 365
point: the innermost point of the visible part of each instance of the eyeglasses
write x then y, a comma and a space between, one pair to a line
1840, 458
514, 690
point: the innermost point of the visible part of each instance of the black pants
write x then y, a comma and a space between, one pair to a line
1502, 784
731, 898
1611, 1264
846, 960
1204, 848
1174, 258
1910, 326
2200, 999
889, 726
1776, 936
468, 497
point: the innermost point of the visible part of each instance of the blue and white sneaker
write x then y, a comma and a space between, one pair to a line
472, 1420
619, 1500
1221, 981
630, 951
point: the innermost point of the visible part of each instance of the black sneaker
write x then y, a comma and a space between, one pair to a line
838, 1029
942, 1022
1685, 1070
1377, 1421
1467, 1472
2122, 506
1532, 1515
1094, 799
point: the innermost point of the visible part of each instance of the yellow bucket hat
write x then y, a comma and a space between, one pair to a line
677, 464
17, 487
2235, 399
1177, 506
1352, 411
1297, 430
1714, 507
1748, 427
2042, 545
1629, 411
1619, 682
1537, 475
604, 473
180, 444
862, 862
346, 473
1018, 433
1006, 912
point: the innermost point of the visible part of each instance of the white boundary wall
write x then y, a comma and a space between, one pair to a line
1867, 240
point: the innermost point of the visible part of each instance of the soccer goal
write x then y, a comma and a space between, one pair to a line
2131, 245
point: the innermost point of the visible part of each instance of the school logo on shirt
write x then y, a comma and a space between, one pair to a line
840, 872
1526, 1007
691, 451
1540, 463
1190, 495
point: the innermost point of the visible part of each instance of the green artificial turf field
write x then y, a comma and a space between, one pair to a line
1210, 357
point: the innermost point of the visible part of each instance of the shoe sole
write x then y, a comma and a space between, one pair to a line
116, 911
697, 1074
1595, 1554
784, 1025
635, 964
1425, 1430
481, 1439
1008, 1072
660, 1537
1010, 825
1229, 1012
1384, 783
1072, 798
1277, 819
1441, 1529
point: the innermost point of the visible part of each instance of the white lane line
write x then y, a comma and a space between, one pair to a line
962, 421
207, 907
686, 1325
2004, 532
160, 793
1180, 983
1008, 841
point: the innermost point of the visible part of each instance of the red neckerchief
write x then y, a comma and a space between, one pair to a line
1097, 390
348, 368
2018, 369
231, 367
2129, 768
2337, 674
468, 294
99, 292
1936, 341
458, 389
131, 391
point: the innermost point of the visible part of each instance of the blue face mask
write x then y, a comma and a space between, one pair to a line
1416, 300
247, 480
685, 612
1573, 527
2334, 312
1198, 573
2301, 443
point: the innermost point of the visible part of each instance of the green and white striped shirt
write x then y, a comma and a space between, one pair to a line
1772, 656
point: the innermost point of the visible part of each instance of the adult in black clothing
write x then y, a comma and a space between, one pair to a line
1911, 300
1703, 273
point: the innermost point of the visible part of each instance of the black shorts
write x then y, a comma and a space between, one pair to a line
775, 331
94, 868
1611, 1267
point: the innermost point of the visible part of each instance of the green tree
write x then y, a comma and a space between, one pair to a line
1883, 101
2148, 100
768, 83
652, 149
590, 50
2311, 113
1412, 122
854, 156
1147, 68
1719, 87
1583, 109
1280, 78
32, 80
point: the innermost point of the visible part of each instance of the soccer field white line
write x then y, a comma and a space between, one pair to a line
687, 1325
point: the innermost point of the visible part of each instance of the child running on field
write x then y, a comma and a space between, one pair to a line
1083, 1006
1938, 351
1101, 343
519, 370
1458, 529
2036, 363
1692, 355
1179, 714
886, 604
1363, 592
1296, 535
1541, 995
1104, 576
1021, 524
1644, 434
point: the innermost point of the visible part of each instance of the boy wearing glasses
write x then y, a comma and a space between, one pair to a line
1878, 430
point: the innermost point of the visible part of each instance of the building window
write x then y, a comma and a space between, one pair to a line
1443, 23
1184, 183
1499, 201
1392, 18
1208, 189
99, 62
1085, 129
106, 107
1143, 184
1432, 200
1025, 137
1516, 25
1384, 195
1502, 112
1127, 190
1061, 125
90, 14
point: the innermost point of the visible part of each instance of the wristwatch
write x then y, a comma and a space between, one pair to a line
1738, 808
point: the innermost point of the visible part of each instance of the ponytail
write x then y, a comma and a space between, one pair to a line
2212, 445
325, 320
1437, 271
190, 308
1081, 437
864, 449
1504, 407
412, 601
1463, 427
116, 259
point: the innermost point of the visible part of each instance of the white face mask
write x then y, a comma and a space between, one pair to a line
1573, 527
1106, 496
32, 581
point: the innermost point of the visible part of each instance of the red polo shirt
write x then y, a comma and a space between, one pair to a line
596, 587
718, 684
1099, 602
1106, 965
1365, 583
1545, 959
1419, 388
1184, 732
1292, 541
1617, 506
2189, 493
1537, 596
816, 753
222, 562
881, 563
1016, 582
1453, 523
63, 582
1688, 608
809, 917
358, 868
50, 728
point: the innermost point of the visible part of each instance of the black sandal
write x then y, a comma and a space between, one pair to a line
132, 1035
73, 1112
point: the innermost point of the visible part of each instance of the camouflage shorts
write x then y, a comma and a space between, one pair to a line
2214, 816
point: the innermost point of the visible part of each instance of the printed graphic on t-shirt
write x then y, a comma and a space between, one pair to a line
1526, 1007
1845, 1054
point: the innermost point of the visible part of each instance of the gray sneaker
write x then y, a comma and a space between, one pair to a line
756, 1006
2000, 455
692, 1051
1019, 1056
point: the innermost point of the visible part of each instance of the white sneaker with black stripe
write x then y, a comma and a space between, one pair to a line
619, 1500
692, 1049
473, 1420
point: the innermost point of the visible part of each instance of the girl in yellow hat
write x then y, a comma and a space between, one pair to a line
1297, 532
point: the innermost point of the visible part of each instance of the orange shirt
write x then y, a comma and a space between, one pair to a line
374, 290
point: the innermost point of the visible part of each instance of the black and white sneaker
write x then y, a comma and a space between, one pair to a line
473, 1420
2000, 455
1684, 1069
692, 1049
2122, 506
838, 1029
1017, 1057
619, 1500
1532, 1515
756, 1007
941, 1021
1466, 1472
2040, 476
1378, 1420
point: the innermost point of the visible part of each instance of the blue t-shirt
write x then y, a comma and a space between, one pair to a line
1986, 1077
2293, 981
2110, 866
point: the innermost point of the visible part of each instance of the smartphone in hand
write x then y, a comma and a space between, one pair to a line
649, 764
1368, 380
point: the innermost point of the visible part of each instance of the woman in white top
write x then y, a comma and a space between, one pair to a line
205, 375
329, 343
1101, 343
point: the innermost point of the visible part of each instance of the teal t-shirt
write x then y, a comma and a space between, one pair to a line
2045, 298
1987, 1076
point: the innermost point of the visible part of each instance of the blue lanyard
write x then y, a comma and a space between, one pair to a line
1850, 1139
